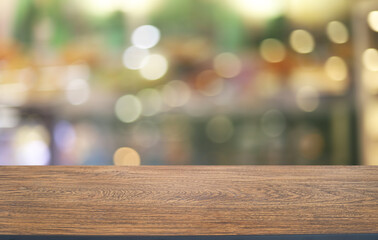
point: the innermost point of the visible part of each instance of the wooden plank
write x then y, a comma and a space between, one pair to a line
188, 200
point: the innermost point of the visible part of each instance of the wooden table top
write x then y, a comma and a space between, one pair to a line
188, 200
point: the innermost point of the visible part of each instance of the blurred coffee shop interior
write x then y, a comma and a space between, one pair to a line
203, 82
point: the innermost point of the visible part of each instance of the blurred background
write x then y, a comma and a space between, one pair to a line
188, 82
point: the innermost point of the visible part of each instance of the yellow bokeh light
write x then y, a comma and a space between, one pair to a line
307, 98
302, 41
154, 67
372, 20
370, 59
126, 157
337, 32
336, 68
370, 82
272, 50
227, 65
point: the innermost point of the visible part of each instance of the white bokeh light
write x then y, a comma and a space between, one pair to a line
146, 36
33, 153
133, 57
77, 91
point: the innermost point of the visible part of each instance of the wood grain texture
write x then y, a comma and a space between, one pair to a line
188, 200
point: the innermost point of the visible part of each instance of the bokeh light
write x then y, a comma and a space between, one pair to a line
64, 135
372, 20
146, 36
272, 50
74, 71
302, 41
154, 66
33, 153
219, 129
337, 32
133, 57
336, 68
227, 65
126, 157
128, 108
31, 143
77, 91
370, 59
307, 98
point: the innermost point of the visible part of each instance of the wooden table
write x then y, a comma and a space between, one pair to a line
188, 200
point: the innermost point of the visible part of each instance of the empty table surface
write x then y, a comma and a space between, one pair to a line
188, 200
